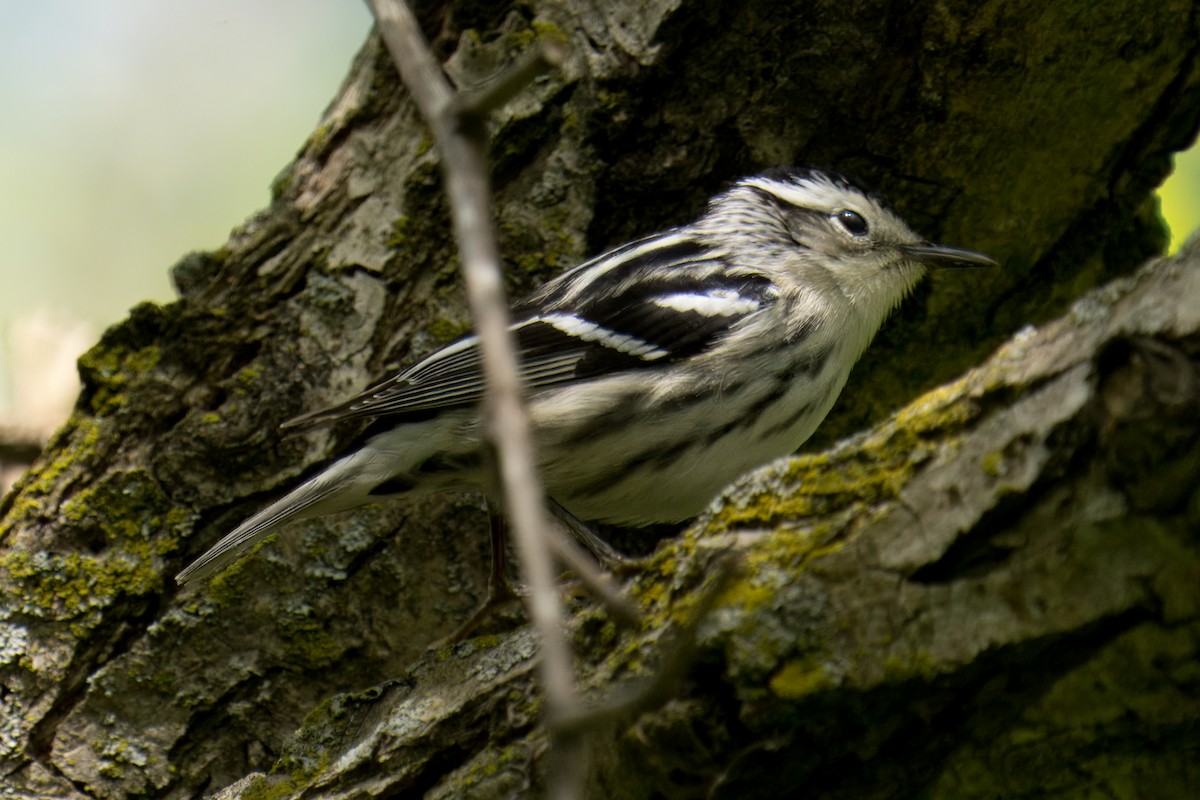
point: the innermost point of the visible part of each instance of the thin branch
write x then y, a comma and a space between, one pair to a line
547, 54
19, 447
595, 581
460, 140
419, 70
662, 685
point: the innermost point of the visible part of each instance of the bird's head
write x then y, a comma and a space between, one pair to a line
819, 230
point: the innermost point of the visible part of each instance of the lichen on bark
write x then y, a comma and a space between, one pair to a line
1035, 134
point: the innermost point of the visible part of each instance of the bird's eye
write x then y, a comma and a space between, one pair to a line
852, 221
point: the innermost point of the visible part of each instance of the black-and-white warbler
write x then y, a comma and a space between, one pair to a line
657, 372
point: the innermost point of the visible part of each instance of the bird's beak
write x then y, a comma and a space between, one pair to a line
935, 255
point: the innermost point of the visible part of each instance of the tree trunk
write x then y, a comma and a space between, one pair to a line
992, 593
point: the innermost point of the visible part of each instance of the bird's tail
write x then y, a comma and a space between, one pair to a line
333, 489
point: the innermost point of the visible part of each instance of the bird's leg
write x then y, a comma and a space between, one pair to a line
500, 589
609, 558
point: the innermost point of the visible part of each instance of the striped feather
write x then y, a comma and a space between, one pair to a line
656, 300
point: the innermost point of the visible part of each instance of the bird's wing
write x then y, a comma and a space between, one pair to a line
653, 301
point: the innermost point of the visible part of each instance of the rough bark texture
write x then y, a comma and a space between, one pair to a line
992, 594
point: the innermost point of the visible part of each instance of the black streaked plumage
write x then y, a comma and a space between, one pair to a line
657, 372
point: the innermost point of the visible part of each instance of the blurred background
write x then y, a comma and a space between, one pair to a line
136, 131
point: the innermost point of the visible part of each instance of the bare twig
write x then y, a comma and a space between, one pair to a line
595, 581
19, 447
510, 82
662, 685
459, 132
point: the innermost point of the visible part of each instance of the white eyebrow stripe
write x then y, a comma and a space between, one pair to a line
591, 332
720, 303
815, 193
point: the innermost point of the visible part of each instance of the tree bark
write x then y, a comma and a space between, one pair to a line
991, 593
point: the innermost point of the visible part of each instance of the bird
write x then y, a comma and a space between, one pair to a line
656, 373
